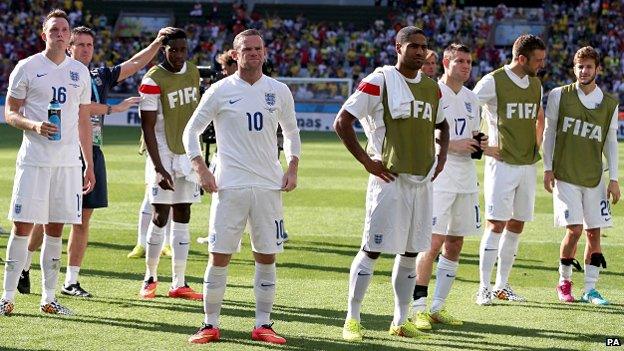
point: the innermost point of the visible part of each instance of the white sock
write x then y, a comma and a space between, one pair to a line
71, 276
180, 243
155, 235
145, 217
264, 291
591, 276
360, 277
169, 230
215, 280
403, 282
50, 266
507, 250
488, 251
17, 247
29, 257
565, 272
445, 276
419, 305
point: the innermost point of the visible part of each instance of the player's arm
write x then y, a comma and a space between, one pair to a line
103, 109
442, 139
610, 151
15, 119
539, 127
344, 128
148, 122
201, 118
143, 57
85, 135
550, 134
292, 140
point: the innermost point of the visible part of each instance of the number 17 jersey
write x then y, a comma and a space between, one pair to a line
462, 114
245, 119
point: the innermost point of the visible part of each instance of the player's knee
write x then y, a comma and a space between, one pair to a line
372, 255
452, 247
496, 226
593, 235
515, 226
219, 260
181, 213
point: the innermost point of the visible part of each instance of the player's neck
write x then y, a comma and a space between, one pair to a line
56, 56
455, 85
406, 72
169, 67
249, 76
517, 69
587, 88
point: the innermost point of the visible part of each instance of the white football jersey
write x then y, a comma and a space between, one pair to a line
245, 120
462, 114
37, 80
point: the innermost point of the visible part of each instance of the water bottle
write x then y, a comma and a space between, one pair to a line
54, 117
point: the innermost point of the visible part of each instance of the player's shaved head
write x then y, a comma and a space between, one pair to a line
403, 35
238, 40
175, 33
57, 13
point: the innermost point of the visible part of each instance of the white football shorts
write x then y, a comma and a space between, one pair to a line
509, 191
45, 195
456, 214
574, 204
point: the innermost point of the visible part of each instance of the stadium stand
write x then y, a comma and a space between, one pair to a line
339, 42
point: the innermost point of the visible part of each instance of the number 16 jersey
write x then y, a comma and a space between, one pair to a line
245, 120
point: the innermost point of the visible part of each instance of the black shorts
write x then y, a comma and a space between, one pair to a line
99, 196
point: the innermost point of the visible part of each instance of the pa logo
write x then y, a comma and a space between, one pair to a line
18, 208
378, 238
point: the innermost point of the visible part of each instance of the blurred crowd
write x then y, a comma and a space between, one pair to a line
298, 47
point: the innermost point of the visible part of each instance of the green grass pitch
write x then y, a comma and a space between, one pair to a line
324, 219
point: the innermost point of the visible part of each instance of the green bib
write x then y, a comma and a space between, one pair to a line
409, 142
580, 138
179, 96
517, 116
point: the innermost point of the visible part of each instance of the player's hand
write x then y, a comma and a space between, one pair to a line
88, 181
126, 104
613, 191
439, 167
289, 180
484, 142
463, 146
207, 181
377, 168
164, 179
492, 151
549, 181
45, 128
162, 33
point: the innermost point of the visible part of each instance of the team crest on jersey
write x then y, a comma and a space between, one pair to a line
18, 208
155, 191
378, 238
74, 76
566, 213
468, 107
435, 220
269, 98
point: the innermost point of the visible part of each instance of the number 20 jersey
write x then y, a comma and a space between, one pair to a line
462, 114
37, 80
245, 120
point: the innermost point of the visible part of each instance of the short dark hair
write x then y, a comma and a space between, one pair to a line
56, 13
175, 33
587, 52
80, 30
405, 32
526, 44
246, 33
453, 49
